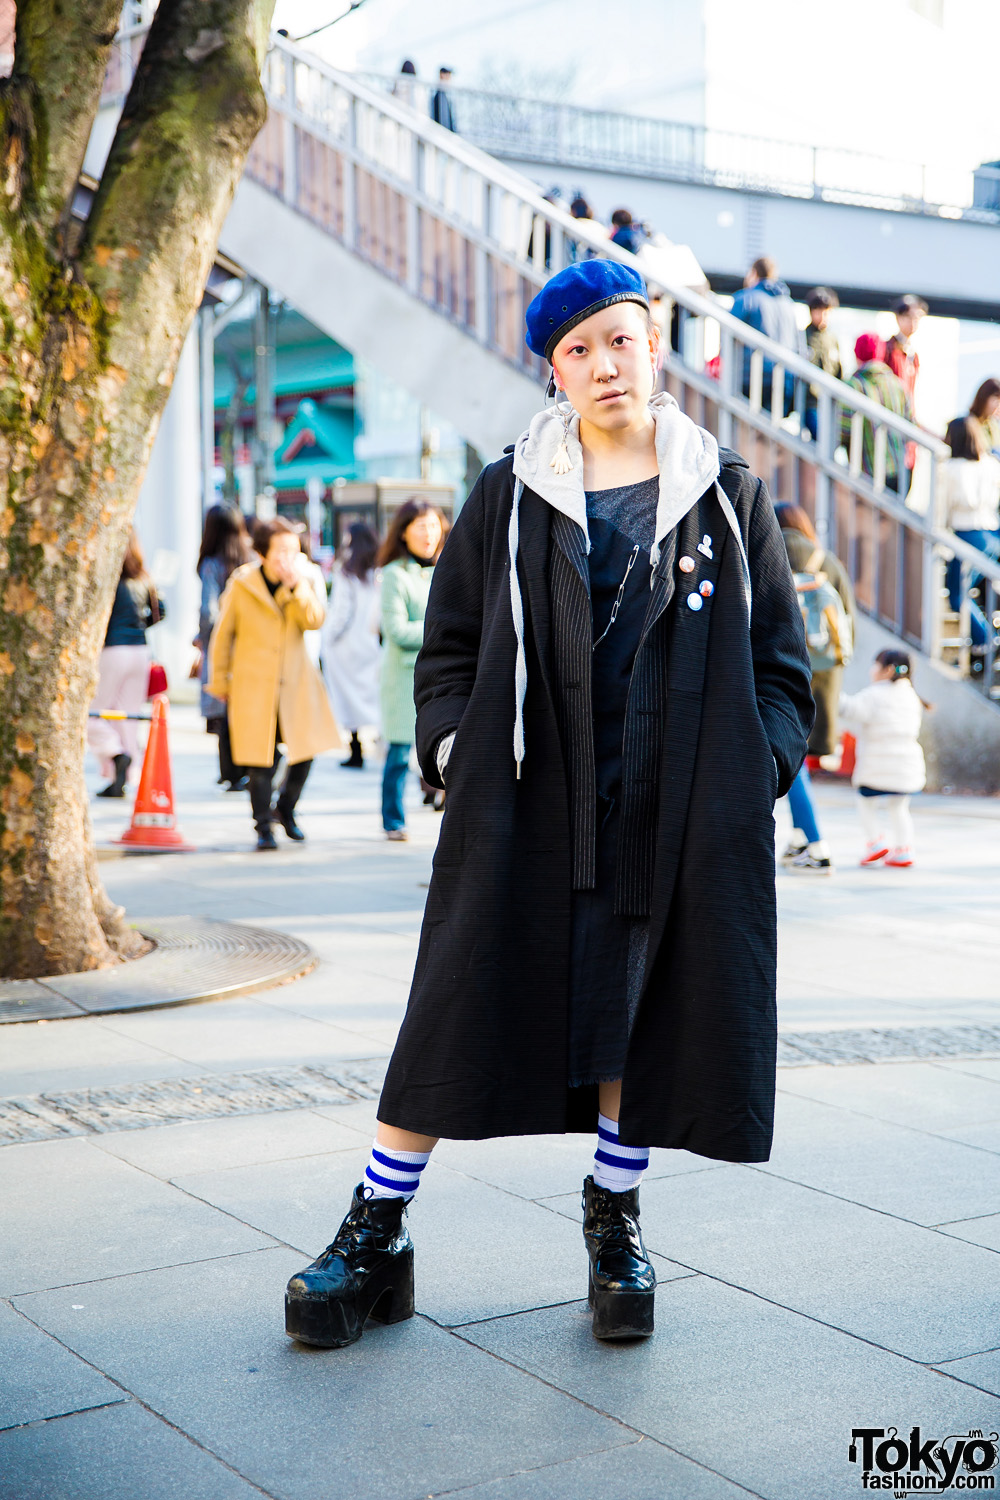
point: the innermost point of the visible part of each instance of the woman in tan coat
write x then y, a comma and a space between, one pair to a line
258, 665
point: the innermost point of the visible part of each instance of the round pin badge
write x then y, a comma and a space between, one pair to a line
695, 601
706, 589
686, 564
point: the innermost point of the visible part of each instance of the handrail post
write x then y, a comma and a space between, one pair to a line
727, 356
289, 160
350, 180
826, 447
413, 219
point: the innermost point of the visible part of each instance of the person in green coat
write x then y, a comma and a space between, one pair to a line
407, 559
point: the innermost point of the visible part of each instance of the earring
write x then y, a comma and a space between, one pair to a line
560, 460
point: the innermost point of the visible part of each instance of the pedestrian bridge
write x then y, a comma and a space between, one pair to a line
868, 225
420, 253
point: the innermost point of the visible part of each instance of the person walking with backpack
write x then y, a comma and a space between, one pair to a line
889, 768
829, 614
826, 600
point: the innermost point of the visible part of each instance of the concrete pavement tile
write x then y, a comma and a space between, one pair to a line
888, 1167
74, 1214
983, 1137
480, 1253
981, 1370
904, 1287
972, 1067
39, 1378
240, 1141
119, 1453
903, 1093
543, 1166
238, 1035
84, 1053
361, 1115
409, 1411
645, 1470
750, 1390
982, 1231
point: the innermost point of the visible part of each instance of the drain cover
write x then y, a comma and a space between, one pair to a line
195, 958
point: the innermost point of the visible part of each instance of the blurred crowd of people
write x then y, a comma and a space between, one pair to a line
288, 669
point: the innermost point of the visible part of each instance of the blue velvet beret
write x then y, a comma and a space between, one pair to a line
572, 295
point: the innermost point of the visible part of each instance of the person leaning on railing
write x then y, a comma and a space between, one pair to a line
874, 379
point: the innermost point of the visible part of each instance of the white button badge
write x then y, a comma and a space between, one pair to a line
695, 601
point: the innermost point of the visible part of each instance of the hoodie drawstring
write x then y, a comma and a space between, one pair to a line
517, 612
734, 526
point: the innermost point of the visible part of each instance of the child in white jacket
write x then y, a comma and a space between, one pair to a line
885, 719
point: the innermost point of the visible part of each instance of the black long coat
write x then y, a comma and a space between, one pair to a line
482, 1050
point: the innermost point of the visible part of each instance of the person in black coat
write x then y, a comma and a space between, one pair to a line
442, 108
614, 687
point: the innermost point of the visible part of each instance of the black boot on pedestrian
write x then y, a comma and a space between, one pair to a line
622, 1280
287, 821
116, 788
367, 1272
356, 760
266, 839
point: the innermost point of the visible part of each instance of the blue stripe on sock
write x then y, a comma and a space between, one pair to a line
399, 1188
623, 1163
396, 1164
606, 1135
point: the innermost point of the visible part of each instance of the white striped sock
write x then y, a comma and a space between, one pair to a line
393, 1174
616, 1167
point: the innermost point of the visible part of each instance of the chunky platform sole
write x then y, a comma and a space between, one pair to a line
621, 1315
333, 1322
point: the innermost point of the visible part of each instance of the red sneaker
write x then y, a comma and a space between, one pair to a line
874, 854
900, 859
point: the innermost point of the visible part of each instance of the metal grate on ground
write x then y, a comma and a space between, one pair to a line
195, 959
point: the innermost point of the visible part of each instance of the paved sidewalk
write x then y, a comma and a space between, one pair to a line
849, 1282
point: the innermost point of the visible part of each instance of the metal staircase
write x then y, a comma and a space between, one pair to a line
421, 253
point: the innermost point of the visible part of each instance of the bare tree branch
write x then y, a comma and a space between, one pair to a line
47, 107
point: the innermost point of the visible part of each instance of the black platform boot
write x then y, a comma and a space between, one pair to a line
116, 788
356, 760
622, 1281
367, 1272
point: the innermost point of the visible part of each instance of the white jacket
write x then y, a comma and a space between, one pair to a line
971, 492
351, 652
885, 719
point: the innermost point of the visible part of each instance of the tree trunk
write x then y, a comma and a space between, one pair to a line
91, 338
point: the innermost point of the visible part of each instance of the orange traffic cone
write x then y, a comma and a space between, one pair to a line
154, 829
848, 754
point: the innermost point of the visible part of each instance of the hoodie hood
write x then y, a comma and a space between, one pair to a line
687, 457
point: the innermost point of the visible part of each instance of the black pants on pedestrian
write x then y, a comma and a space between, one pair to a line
262, 780
228, 770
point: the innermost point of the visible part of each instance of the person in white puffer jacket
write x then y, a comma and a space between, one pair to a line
889, 767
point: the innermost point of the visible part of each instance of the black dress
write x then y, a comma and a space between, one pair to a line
608, 952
